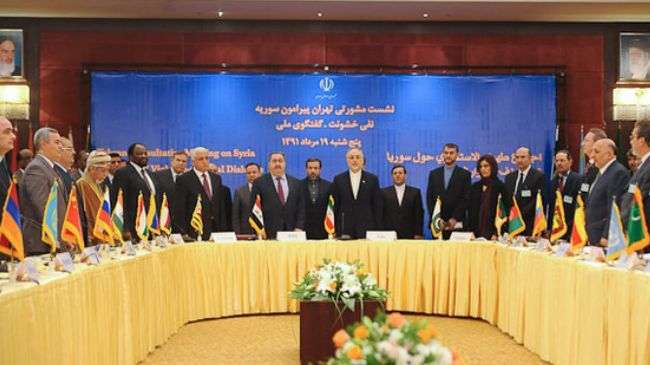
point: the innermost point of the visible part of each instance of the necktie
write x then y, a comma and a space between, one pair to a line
520, 182
146, 181
595, 180
280, 190
561, 183
206, 186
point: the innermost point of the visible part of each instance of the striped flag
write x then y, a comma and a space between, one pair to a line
103, 229
500, 217
330, 227
117, 217
436, 221
141, 228
516, 223
165, 218
637, 231
197, 219
539, 224
11, 237
256, 218
152, 216
616, 242
578, 233
50, 228
559, 228
71, 232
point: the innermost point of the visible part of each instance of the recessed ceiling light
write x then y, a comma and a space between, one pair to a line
319, 14
219, 13
425, 15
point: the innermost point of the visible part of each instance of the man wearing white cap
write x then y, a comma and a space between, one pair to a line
91, 192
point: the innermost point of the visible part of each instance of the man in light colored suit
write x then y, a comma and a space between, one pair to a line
242, 201
640, 142
35, 189
610, 183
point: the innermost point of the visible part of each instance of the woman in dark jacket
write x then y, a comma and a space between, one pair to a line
483, 198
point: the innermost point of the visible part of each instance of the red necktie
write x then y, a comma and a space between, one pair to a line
280, 190
206, 186
561, 184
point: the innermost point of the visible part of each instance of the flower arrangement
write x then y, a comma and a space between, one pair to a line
339, 282
390, 340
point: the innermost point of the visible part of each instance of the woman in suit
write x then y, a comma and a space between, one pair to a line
483, 198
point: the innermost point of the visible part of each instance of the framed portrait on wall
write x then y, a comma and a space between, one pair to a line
634, 57
11, 54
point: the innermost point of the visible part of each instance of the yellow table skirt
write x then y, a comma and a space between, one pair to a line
566, 311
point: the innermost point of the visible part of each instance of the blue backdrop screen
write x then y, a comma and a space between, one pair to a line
404, 119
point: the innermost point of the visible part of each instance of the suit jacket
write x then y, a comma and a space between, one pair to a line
240, 210
34, 191
18, 176
535, 181
315, 210
474, 210
167, 185
588, 179
405, 219
5, 180
132, 183
111, 190
355, 217
67, 179
641, 179
279, 217
613, 183
569, 195
454, 199
215, 211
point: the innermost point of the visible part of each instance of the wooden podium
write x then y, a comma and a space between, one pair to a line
319, 321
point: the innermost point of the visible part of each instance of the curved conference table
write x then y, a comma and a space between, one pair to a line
566, 311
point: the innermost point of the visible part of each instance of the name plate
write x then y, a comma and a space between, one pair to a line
27, 270
461, 236
176, 238
381, 235
596, 254
64, 259
90, 253
292, 236
128, 248
542, 245
224, 237
562, 249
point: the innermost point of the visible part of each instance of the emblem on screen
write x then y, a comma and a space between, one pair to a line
326, 84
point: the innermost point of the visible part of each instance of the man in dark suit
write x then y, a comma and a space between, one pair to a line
133, 179
242, 202
283, 204
358, 203
25, 156
640, 143
452, 184
63, 165
610, 183
316, 194
568, 183
35, 189
594, 135
403, 211
7, 140
167, 182
112, 168
524, 184
216, 203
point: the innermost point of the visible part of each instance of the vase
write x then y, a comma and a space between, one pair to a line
320, 320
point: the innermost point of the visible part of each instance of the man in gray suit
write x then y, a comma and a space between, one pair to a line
610, 183
640, 142
242, 201
35, 189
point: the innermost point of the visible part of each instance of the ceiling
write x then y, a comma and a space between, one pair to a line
348, 10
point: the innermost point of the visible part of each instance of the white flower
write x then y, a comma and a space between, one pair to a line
344, 268
351, 285
369, 281
395, 336
325, 280
388, 348
403, 357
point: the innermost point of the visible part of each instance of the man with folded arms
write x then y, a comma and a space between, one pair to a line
524, 184
167, 182
403, 211
242, 202
316, 192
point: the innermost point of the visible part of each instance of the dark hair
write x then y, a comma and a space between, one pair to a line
276, 153
114, 154
398, 166
252, 164
131, 149
451, 145
630, 153
314, 159
566, 152
180, 152
641, 43
598, 133
643, 130
491, 161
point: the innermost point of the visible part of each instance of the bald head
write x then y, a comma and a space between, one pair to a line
523, 158
7, 136
604, 150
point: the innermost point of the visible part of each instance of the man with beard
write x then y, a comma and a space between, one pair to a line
316, 195
8, 65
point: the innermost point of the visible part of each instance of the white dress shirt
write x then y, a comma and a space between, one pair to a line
400, 189
200, 174
524, 173
355, 181
143, 172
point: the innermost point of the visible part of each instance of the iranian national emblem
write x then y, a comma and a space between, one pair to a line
326, 84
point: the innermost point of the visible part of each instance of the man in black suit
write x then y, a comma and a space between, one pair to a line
242, 202
358, 203
113, 166
133, 179
167, 182
403, 211
216, 203
452, 184
25, 156
7, 140
568, 183
594, 135
316, 194
283, 204
63, 165
640, 143
524, 184
610, 183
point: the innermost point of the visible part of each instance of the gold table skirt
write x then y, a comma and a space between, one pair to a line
568, 312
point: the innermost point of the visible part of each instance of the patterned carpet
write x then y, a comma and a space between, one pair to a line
274, 339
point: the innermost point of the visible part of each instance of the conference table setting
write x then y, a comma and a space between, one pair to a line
121, 306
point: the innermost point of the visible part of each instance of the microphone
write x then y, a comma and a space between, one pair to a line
344, 237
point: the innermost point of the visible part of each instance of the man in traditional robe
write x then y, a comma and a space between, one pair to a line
91, 192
